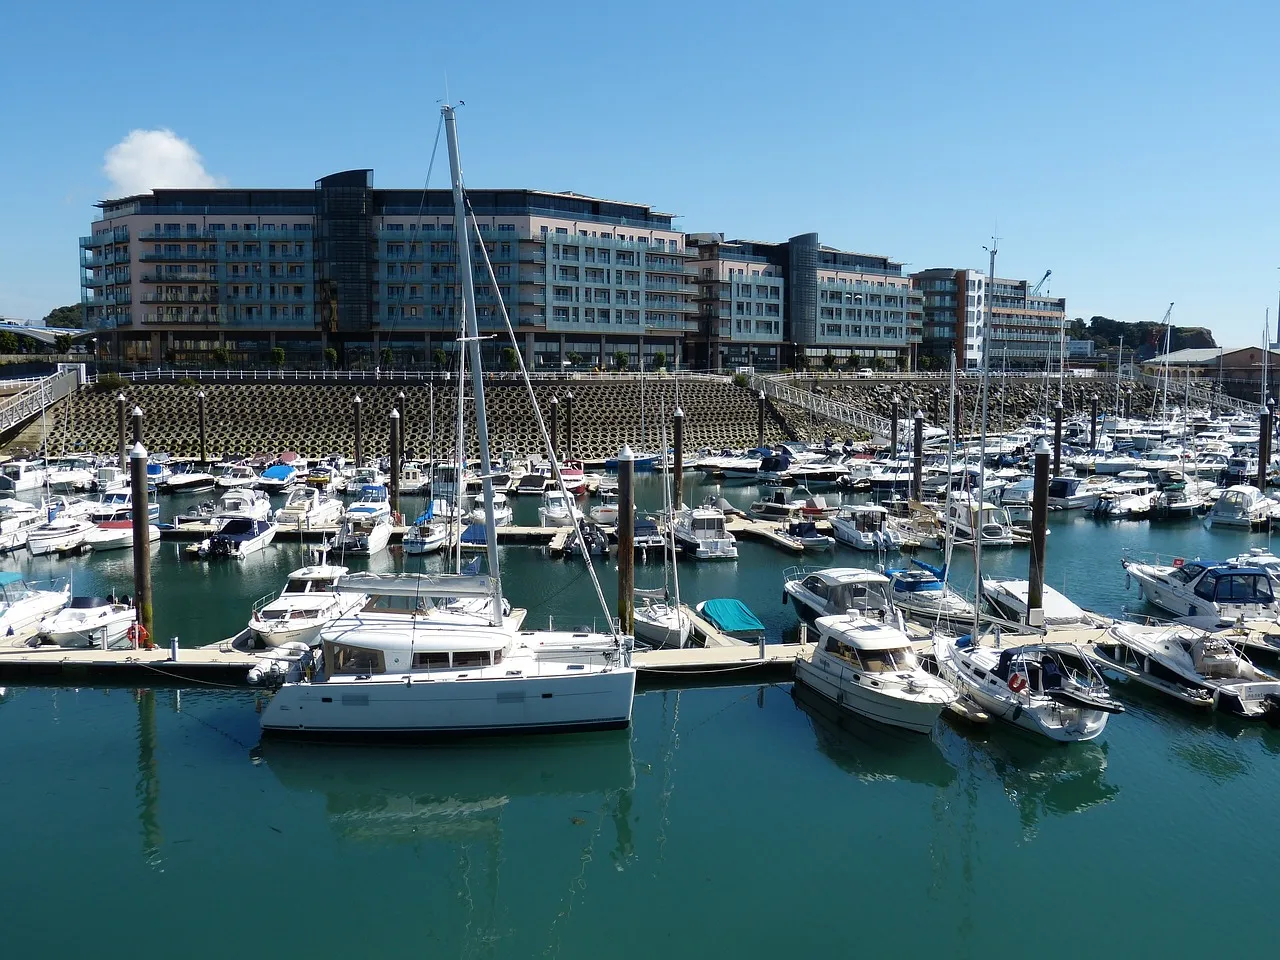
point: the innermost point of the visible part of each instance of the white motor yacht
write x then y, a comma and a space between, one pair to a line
243, 502
1132, 497
58, 535
838, 590
502, 512
1195, 667
1049, 689
1073, 493
279, 477
19, 475
606, 512
865, 527
1242, 507
236, 475
868, 668
413, 479
777, 504
700, 533
17, 518
994, 529
306, 605
236, 537
557, 510
22, 607
117, 535
1206, 593
307, 508
99, 622
71, 475
187, 478
364, 533
118, 505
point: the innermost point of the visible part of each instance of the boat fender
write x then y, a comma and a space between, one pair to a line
1017, 712
784, 598
1128, 580
1017, 683
1191, 610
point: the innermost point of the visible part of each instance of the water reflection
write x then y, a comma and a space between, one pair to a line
1040, 779
457, 792
871, 751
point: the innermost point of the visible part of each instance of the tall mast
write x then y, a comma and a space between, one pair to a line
473, 348
982, 441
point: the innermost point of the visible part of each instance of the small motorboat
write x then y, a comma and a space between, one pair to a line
276, 478
557, 510
307, 603
236, 475
805, 532
732, 618
116, 535
100, 622
502, 512
237, 537
606, 513
59, 535
307, 508
921, 591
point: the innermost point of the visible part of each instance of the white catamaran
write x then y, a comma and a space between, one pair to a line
444, 654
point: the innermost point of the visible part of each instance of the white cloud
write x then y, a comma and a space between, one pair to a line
147, 159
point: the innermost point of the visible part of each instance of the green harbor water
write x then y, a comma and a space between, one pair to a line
729, 821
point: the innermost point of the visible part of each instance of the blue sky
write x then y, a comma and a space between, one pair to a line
1131, 148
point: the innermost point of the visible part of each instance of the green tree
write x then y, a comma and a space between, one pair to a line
62, 343
8, 342
659, 360
277, 357
331, 358
221, 357
829, 361
877, 364
68, 317
386, 358
574, 358
510, 359
621, 360
439, 358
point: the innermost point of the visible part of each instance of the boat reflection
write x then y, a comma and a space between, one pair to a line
1040, 779
870, 751
455, 793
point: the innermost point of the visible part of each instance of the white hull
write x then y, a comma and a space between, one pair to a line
416, 545
327, 515
662, 626
25, 615
121, 539
375, 541
387, 706
880, 706
101, 632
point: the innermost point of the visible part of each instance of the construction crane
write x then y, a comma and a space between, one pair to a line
1035, 291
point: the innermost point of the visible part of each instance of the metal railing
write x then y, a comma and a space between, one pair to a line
174, 374
776, 388
21, 407
1180, 390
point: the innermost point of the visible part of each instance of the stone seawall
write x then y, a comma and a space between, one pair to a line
316, 420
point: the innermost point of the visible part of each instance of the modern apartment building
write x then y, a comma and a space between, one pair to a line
796, 303
952, 302
189, 276
1026, 327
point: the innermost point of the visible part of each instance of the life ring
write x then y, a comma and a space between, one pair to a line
137, 635
1017, 683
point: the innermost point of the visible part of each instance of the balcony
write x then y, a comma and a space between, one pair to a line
205, 256
206, 297
154, 276
202, 318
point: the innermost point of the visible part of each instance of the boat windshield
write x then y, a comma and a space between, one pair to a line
1236, 587
301, 585
860, 596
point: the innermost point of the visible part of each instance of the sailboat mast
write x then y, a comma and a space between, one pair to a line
473, 346
982, 441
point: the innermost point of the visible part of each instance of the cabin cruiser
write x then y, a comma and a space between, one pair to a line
502, 512
921, 591
243, 502
324, 478
960, 522
819, 473
413, 479
22, 607
894, 475
745, 467
1195, 667
701, 534
865, 527
869, 668
777, 504
1206, 593
236, 536
19, 475
362, 477
158, 470
805, 533
58, 535
915, 525
100, 622
118, 505
187, 478
838, 590
557, 510
648, 536
606, 512
71, 475
17, 518
1242, 506
1073, 493
1259, 557
367, 527
116, 535
1180, 497
1010, 598
1050, 689
306, 605
1132, 497
276, 478
236, 475
307, 508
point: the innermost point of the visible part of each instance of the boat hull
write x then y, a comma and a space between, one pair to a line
390, 708
857, 698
